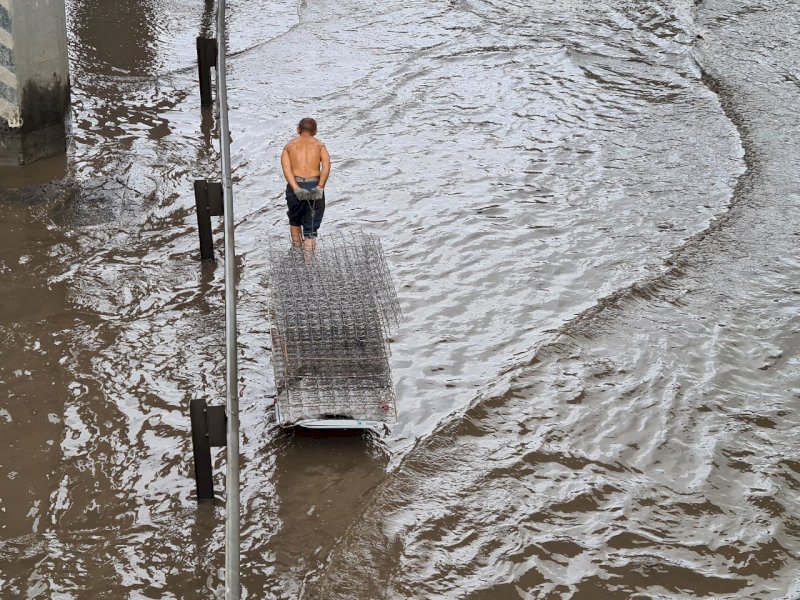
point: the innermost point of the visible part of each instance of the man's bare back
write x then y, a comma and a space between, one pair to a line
305, 155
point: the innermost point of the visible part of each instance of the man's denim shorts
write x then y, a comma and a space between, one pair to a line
305, 214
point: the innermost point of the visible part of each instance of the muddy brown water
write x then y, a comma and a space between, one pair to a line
590, 211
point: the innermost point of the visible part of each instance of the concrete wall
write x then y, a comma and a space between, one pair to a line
9, 109
34, 80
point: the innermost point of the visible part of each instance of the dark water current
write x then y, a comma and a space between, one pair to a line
590, 210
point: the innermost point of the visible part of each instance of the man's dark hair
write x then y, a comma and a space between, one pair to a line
308, 124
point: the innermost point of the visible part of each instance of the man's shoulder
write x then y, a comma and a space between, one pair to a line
298, 141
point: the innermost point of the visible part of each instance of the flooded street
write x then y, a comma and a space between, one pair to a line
590, 213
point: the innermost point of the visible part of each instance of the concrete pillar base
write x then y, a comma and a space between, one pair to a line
34, 80
19, 148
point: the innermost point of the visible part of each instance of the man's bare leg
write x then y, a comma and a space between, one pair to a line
308, 249
297, 237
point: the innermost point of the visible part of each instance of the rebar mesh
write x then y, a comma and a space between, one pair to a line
331, 315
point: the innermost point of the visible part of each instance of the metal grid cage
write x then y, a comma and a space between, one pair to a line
331, 312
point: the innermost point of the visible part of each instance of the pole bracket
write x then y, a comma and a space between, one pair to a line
209, 203
206, 58
208, 429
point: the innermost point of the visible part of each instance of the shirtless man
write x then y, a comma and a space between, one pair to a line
306, 165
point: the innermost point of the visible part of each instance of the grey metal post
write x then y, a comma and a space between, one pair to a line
232, 591
201, 448
206, 57
203, 219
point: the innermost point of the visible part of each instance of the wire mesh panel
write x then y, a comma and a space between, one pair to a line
331, 315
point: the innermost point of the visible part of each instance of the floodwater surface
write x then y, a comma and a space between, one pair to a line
590, 212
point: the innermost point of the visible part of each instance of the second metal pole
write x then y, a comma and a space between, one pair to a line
232, 590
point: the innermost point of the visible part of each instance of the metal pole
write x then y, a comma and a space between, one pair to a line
232, 591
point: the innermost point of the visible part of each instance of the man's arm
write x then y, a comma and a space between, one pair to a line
286, 165
325, 159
